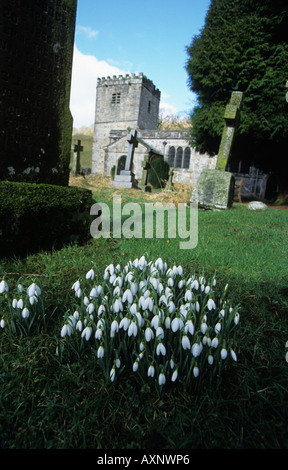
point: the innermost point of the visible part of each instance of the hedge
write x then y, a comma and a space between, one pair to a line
42, 216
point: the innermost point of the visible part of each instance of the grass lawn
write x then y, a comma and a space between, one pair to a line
54, 397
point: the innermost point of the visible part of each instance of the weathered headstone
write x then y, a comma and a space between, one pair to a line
126, 179
215, 188
78, 148
146, 165
36, 51
170, 185
231, 117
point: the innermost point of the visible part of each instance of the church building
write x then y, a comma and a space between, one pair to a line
132, 102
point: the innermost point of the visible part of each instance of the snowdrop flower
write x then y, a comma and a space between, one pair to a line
185, 342
3, 287
189, 327
211, 304
175, 325
217, 328
236, 318
162, 379
100, 352
64, 331
195, 285
117, 306
2, 323
101, 324
167, 322
135, 366
110, 269
223, 353
196, 371
101, 310
160, 288
132, 330
112, 374
117, 363
78, 293
151, 371
149, 334
159, 264
222, 313
204, 328
114, 328
207, 289
90, 274
174, 375
124, 323
210, 359
139, 319
93, 293
233, 355
127, 296
20, 288
214, 343
90, 308
188, 296
163, 300
98, 333
161, 349
76, 286
196, 349
14, 303
76, 315
25, 313
170, 282
172, 364
33, 290
79, 325
160, 332
171, 306
155, 322
133, 288
133, 309
86, 333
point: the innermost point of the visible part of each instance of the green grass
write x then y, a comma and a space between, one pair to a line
52, 397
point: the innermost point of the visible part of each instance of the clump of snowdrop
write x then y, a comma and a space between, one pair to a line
155, 321
23, 310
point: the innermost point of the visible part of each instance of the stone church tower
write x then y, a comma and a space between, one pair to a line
123, 102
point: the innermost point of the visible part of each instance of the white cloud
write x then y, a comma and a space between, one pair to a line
87, 31
85, 71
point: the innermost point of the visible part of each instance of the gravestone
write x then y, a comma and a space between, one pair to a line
78, 148
146, 165
215, 188
126, 179
36, 51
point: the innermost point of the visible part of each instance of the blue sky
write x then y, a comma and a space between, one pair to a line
118, 37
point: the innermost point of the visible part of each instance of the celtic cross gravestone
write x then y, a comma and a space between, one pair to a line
36, 50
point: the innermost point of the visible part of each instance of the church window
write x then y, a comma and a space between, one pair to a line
149, 106
179, 156
171, 157
116, 98
187, 155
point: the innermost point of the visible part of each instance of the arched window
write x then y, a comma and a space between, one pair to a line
187, 155
171, 157
179, 156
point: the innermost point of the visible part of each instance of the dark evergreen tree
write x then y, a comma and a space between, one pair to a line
243, 46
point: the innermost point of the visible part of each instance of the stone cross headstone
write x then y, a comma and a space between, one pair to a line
126, 179
133, 143
215, 188
78, 148
231, 117
36, 51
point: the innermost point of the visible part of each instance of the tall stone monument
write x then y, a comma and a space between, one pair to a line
126, 179
36, 51
215, 188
